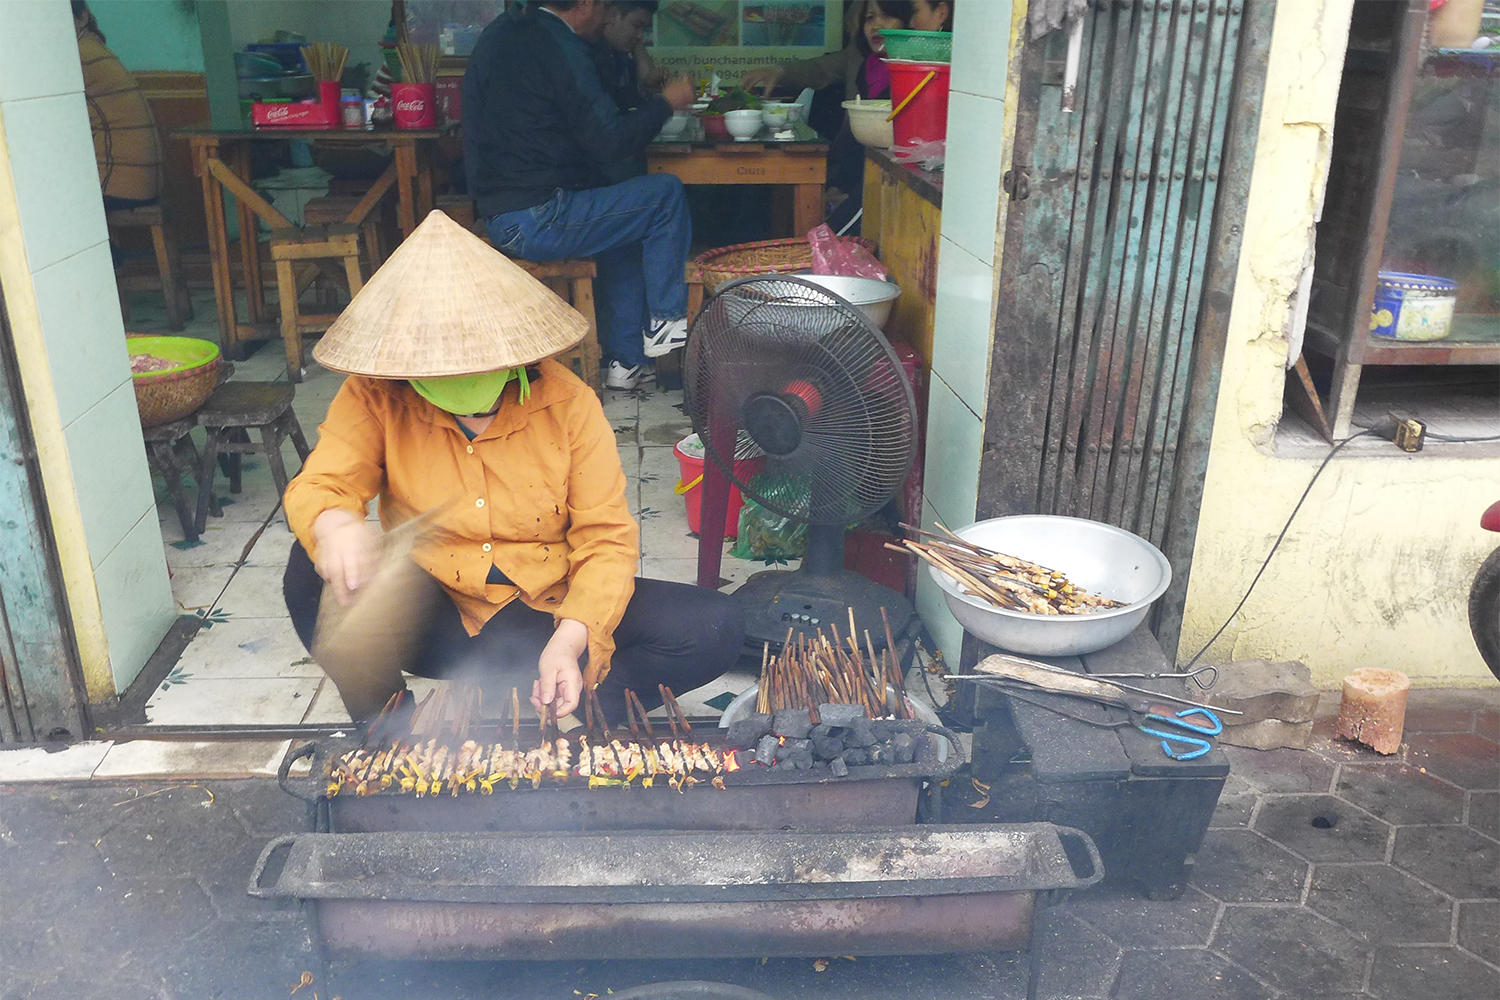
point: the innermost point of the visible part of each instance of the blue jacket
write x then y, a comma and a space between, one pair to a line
536, 117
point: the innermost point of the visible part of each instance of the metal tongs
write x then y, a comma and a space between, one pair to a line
1196, 676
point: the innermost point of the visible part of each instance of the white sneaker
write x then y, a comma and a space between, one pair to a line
626, 376
665, 336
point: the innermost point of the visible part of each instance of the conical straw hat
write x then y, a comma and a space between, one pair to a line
446, 303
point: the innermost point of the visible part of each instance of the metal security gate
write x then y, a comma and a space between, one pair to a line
1121, 245
42, 696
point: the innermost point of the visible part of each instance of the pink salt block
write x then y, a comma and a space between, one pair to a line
1373, 710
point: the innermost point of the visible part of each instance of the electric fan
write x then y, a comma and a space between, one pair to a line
822, 398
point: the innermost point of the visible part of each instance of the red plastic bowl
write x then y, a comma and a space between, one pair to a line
714, 127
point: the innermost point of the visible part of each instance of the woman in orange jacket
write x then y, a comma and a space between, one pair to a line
451, 408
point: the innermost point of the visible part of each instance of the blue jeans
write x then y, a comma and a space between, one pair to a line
638, 233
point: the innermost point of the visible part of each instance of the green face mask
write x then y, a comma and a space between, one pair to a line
468, 395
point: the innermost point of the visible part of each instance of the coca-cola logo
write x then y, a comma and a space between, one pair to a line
276, 113
415, 104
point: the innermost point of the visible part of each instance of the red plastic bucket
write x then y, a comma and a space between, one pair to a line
925, 119
690, 488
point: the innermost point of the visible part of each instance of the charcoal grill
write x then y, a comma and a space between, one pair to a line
754, 798
779, 862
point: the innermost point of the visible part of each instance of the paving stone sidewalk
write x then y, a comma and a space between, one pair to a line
1328, 874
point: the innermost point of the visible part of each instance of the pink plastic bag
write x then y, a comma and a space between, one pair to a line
832, 255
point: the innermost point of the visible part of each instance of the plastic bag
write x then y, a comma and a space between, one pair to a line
923, 155
767, 537
832, 255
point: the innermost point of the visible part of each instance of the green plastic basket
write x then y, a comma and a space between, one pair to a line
918, 46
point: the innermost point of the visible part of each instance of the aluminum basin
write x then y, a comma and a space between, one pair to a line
1101, 558
870, 296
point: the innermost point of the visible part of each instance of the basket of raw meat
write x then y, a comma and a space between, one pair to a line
172, 375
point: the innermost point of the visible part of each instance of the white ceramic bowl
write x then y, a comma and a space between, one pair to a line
1101, 558
870, 296
776, 113
674, 125
867, 120
743, 124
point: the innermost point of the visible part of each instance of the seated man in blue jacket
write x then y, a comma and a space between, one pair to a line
538, 132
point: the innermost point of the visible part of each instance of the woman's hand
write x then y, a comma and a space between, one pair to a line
348, 549
766, 79
559, 680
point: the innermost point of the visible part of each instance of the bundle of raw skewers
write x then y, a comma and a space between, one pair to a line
1002, 580
434, 754
325, 61
419, 63
837, 670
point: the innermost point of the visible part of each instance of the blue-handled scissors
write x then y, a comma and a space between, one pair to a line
1196, 746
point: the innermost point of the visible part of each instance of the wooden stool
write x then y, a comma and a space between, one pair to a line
309, 243
168, 265
171, 455
227, 416
333, 211
573, 281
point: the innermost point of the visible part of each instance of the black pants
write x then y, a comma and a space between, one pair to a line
671, 634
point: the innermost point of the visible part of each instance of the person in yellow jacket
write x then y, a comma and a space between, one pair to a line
126, 146
453, 409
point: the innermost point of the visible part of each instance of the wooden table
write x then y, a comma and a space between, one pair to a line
221, 160
799, 168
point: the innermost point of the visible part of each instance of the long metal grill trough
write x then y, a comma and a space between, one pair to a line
660, 894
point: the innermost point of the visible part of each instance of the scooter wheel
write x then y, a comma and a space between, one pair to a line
1484, 611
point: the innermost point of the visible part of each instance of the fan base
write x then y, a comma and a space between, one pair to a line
780, 599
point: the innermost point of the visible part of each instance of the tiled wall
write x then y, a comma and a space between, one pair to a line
104, 484
964, 326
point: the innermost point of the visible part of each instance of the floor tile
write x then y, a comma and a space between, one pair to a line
1322, 828
1487, 724
662, 422
247, 647
181, 759
261, 701
1484, 813
1438, 719
1132, 922
1294, 950
221, 544
1151, 975
1479, 928
327, 707
197, 587
74, 763
1432, 972
273, 547
1465, 759
1079, 960
1399, 793
1238, 866
674, 570
255, 592
1455, 859
1286, 771
1381, 904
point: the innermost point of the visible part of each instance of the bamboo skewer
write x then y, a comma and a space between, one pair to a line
325, 61
419, 63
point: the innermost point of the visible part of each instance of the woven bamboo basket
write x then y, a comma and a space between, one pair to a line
767, 257
171, 395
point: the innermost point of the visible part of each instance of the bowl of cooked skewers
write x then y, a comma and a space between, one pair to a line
1044, 584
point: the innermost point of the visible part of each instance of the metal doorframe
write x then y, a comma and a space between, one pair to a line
43, 697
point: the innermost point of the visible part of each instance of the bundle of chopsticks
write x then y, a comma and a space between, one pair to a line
325, 61
1002, 580
812, 672
419, 63
435, 754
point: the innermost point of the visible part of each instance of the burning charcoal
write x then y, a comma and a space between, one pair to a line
785, 765
880, 753
794, 746
792, 723
839, 768
745, 733
802, 760
855, 757
840, 715
765, 750
905, 747
827, 747
860, 734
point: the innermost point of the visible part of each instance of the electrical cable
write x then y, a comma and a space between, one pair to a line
1277, 544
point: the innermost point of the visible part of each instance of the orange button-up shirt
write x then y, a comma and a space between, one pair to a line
539, 494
